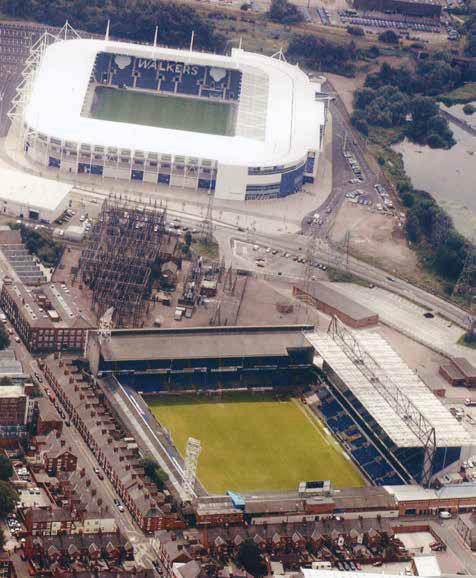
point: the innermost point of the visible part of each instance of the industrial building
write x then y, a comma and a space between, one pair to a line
325, 299
394, 426
45, 317
204, 356
25, 196
424, 8
459, 372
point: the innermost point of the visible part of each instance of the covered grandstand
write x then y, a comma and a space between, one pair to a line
276, 121
388, 419
205, 357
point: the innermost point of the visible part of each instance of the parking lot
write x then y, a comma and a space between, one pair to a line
394, 22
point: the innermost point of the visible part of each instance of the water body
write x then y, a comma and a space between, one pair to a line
448, 175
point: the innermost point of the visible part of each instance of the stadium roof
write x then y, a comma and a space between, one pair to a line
32, 191
449, 432
277, 95
203, 343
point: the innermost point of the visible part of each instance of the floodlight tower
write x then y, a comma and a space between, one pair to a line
192, 451
105, 325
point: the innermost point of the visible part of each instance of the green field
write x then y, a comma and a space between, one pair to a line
162, 111
254, 443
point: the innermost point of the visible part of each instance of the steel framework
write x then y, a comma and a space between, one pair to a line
192, 451
389, 390
123, 245
30, 71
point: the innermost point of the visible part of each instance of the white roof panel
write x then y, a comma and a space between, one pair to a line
32, 191
288, 115
449, 432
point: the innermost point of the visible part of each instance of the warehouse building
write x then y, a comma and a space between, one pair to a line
152, 359
325, 299
25, 196
423, 8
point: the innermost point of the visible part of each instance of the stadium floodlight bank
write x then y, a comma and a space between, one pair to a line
82, 99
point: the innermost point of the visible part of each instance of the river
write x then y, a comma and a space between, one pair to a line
449, 175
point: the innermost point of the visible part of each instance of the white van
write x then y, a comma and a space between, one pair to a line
444, 515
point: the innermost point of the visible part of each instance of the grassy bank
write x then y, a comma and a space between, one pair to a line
461, 95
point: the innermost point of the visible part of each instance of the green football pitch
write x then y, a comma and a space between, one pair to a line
162, 111
252, 443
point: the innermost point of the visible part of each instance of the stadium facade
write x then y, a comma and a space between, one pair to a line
275, 127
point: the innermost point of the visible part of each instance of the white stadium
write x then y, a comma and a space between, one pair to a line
266, 117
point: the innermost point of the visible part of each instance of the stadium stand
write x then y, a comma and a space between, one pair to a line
166, 76
370, 461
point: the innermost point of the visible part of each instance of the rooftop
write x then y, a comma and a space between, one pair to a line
291, 117
32, 191
449, 432
54, 299
11, 391
464, 366
336, 300
197, 342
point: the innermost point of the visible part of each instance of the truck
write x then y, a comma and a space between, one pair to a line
469, 402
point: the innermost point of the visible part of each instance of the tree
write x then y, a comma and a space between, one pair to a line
388, 37
412, 228
6, 469
2, 540
469, 109
408, 200
4, 339
8, 498
284, 12
154, 472
188, 238
355, 30
249, 557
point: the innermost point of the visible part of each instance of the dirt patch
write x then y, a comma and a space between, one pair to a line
374, 235
259, 306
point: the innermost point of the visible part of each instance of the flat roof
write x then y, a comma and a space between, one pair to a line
464, 366
203, 342
62, 303
11, 391
290, 114
449, 432
32, 191
338, 301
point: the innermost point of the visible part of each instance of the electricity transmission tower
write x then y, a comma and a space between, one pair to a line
207, 223
192, 451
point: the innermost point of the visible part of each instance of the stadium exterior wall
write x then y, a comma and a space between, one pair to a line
248, 166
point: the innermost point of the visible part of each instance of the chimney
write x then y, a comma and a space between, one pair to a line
71, 379
88, 483
128, 467
81, 396
63, 442
58, 435
179, 547
93, 492
76, 387
82, 472
140, 486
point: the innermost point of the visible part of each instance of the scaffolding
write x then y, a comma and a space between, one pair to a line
116, 264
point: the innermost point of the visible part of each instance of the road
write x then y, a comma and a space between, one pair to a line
144, 553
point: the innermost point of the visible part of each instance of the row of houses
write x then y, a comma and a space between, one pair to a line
120, 463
